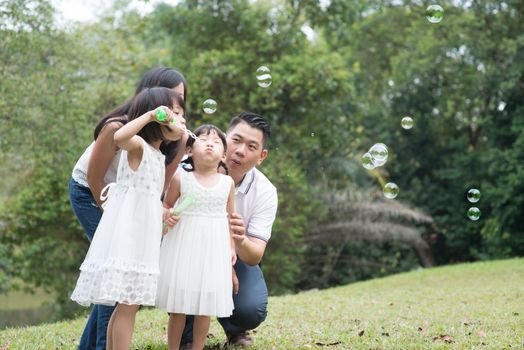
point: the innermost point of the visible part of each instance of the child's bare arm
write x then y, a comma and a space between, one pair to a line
126, 138
173, 191
172, 195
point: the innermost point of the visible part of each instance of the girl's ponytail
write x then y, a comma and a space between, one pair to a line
223, 166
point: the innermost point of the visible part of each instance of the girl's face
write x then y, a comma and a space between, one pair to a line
173, 133
208, 148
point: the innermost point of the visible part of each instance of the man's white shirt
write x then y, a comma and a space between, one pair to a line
257, 201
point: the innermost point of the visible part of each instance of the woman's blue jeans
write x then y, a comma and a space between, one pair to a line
89, 214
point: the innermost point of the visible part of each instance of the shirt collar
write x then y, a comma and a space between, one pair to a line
245, 185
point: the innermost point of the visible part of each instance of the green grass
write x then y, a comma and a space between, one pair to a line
468, 306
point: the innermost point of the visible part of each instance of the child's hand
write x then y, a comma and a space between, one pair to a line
164, 115
172, 220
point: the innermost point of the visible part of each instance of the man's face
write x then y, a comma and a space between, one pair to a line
245, 148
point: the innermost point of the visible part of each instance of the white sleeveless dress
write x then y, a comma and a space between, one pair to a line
195, 256
121, 265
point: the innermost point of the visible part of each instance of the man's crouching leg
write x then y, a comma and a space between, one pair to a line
250, 304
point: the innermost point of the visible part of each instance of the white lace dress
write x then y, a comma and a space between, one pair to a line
121, 265
195, 256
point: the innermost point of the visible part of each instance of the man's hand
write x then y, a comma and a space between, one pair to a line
238, 230
249, 249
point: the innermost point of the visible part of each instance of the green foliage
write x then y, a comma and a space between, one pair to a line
285, 252
461, 81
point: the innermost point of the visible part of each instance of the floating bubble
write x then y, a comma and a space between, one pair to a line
379, 162
367, 161
474, 213
390, 190
435, 13
406, 123
379, 152
264, 78
209, 106
473, 195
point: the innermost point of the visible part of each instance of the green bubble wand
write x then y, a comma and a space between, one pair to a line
186, 202
161, 116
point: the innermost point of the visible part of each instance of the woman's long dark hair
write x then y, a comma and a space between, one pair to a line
161, 76
148, 100
188, 163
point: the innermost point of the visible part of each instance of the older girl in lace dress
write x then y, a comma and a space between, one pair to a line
121, 265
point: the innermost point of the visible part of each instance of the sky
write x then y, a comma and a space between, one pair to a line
88, 10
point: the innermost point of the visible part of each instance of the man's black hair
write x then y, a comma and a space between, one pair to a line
255, 121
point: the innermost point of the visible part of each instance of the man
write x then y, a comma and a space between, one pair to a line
256, 206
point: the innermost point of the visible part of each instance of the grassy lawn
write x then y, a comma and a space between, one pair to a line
468, 306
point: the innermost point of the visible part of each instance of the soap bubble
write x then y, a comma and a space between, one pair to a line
367, 161
390, 190
435, 13
209, 106
474, 213
473, 195
406, 123
264, 78
379, 152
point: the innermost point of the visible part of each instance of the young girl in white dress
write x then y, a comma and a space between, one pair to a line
197, 254
121, 265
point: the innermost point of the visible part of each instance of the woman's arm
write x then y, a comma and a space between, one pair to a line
101, 158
